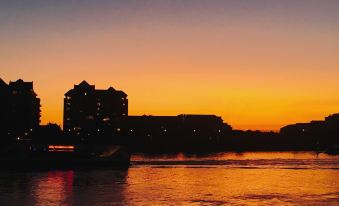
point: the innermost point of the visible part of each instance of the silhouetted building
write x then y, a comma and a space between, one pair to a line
173, 133
4, 107
89, 111
181, 124
315, 134
20, 108
334, 118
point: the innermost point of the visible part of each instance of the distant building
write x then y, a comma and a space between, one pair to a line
4, 107
20, 108
315, 134
334, 118
181, 125
174, 133
88, 110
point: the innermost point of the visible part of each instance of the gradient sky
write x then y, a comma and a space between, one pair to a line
258, 64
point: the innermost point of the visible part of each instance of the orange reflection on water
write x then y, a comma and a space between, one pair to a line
233, 156
209, 184
215, 186
55, 188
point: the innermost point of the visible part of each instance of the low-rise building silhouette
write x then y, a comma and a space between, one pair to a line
184, 132
184, 124
20, 108
315, 134
88, 111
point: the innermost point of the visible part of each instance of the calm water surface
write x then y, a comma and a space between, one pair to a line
220, 179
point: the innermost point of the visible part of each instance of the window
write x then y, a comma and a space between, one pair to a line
106, 119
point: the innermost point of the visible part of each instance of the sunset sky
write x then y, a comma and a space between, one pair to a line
258, 64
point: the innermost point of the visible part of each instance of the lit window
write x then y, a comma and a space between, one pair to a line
68, 118
106, 119
68, 97
118, 129
85, 93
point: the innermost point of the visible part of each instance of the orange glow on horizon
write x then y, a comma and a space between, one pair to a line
258, 67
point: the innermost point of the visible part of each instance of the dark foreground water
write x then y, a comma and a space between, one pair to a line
220, 179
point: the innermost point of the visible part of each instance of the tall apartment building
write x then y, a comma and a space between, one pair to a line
20, 107
87, 110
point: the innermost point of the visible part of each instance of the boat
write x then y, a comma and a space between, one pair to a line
66, 156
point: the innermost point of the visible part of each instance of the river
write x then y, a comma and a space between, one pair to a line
252, 178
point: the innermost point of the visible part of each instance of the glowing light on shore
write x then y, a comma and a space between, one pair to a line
61, 148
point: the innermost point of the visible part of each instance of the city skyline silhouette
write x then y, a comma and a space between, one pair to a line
100, 116
85, 86
267, 128
169, 102
259, 65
